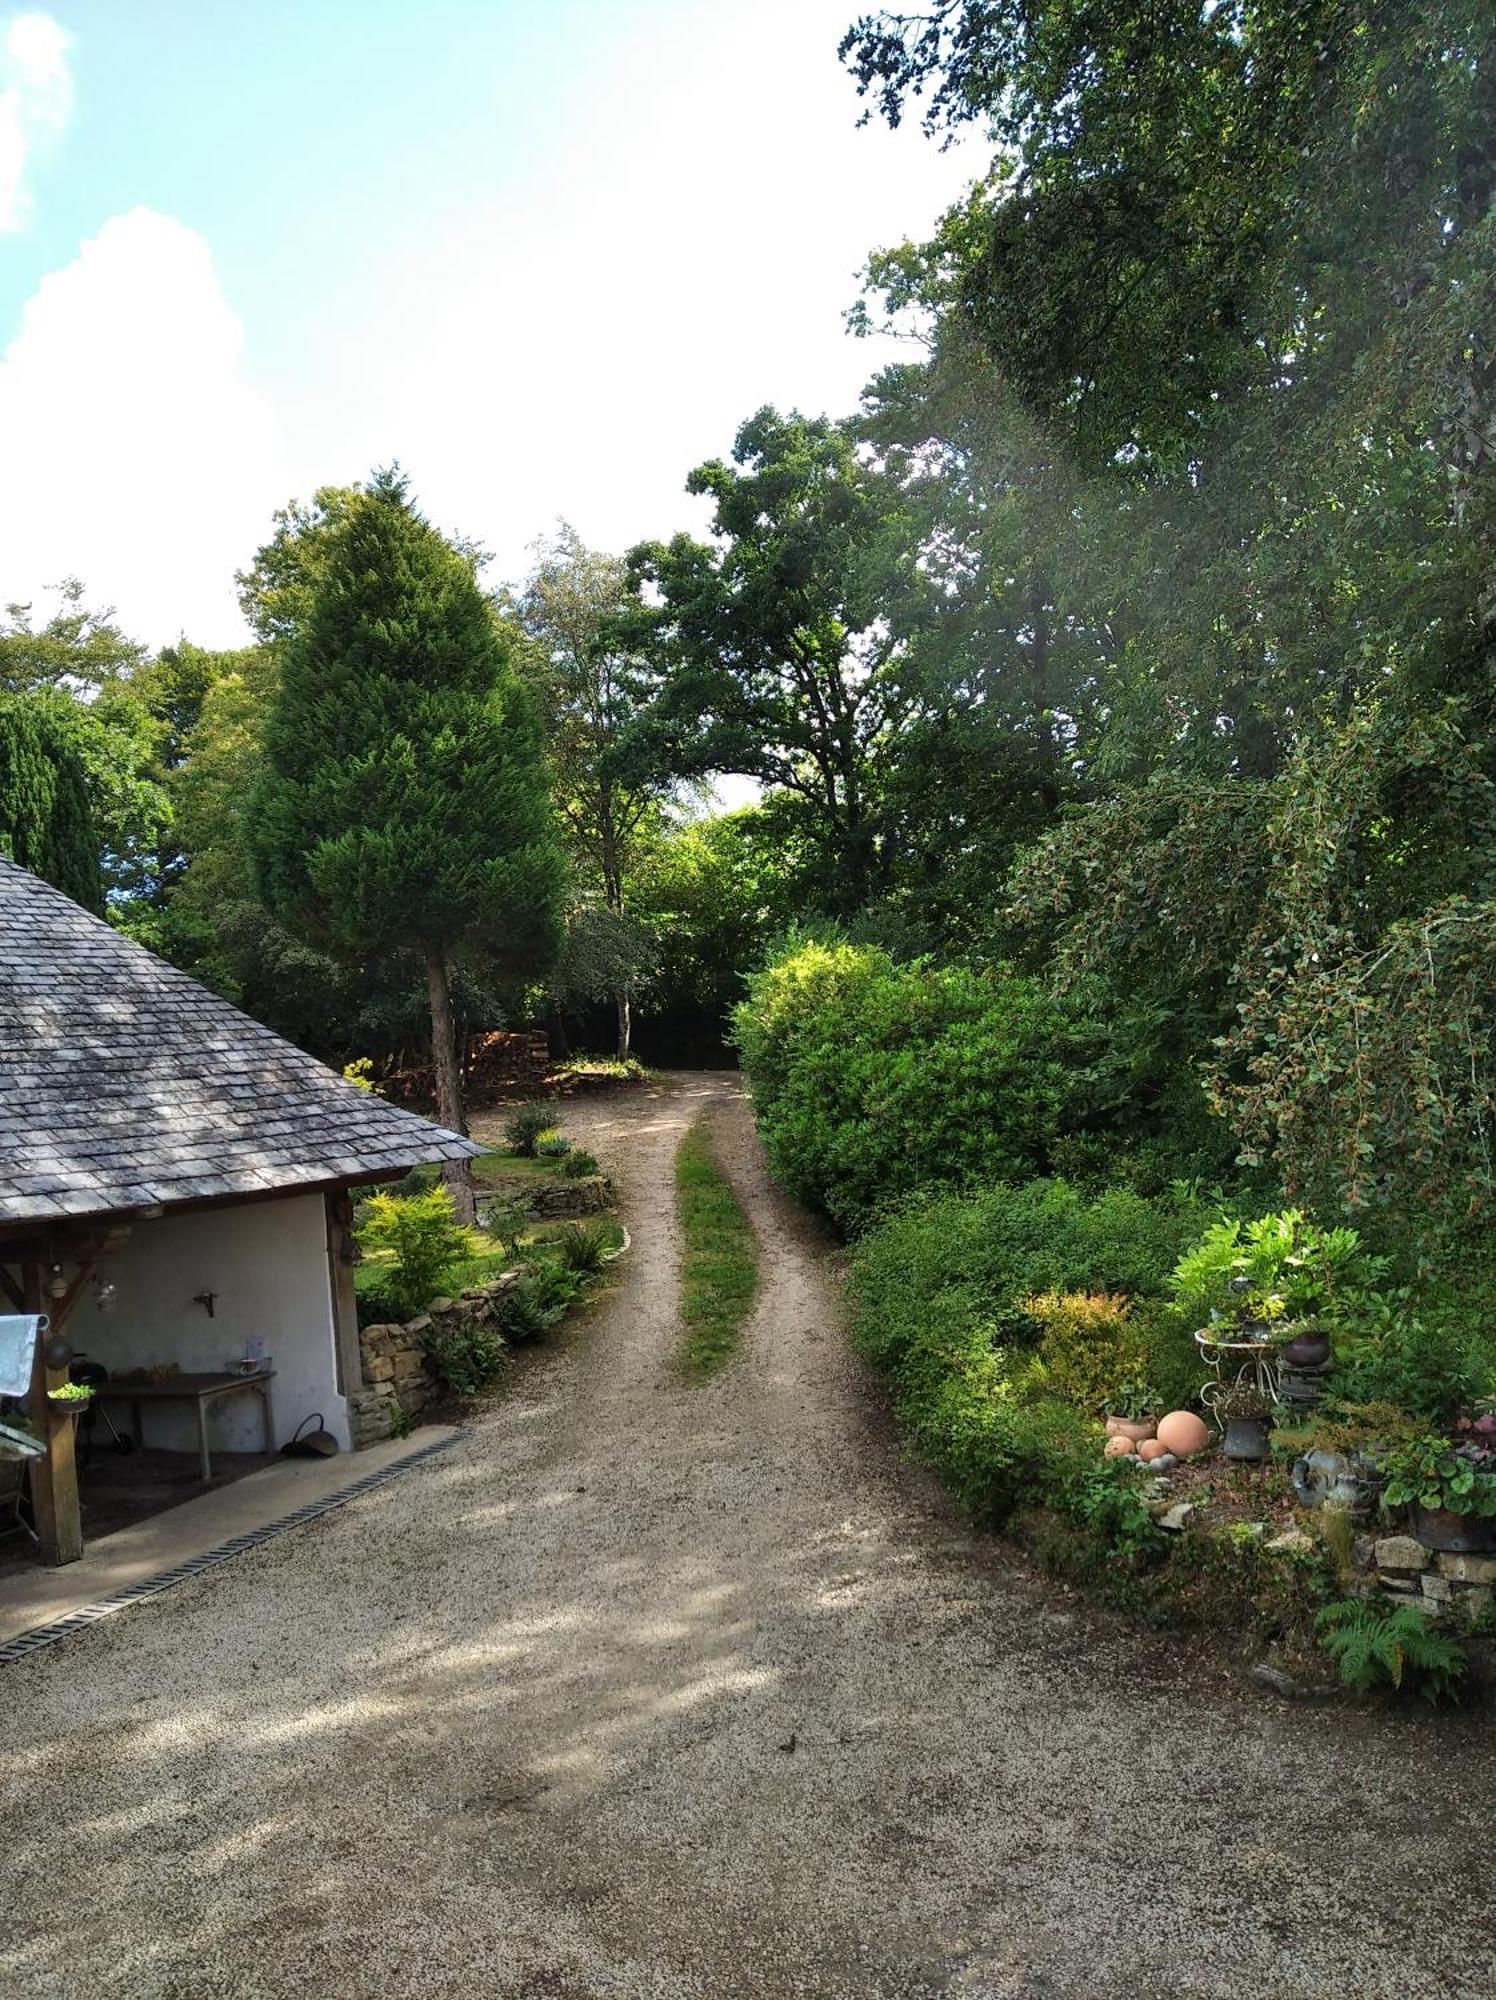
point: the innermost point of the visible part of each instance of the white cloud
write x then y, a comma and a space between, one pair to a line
135, 455
36, 96
577, 351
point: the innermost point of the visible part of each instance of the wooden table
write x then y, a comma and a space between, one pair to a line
199, 1390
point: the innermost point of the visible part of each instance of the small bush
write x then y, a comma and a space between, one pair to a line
525, 1127
424, 1239
582, 1246
1377, 1645
581, 1165
467, 1358
538, 1302
1089, 1346
552, 1145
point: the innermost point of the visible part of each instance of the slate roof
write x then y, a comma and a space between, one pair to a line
124, 1083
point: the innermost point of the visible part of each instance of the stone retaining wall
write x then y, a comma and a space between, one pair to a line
397, 1374
1436, 1581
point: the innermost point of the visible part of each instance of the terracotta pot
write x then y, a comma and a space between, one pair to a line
1459, 1534
1246, 1438
1136, 1428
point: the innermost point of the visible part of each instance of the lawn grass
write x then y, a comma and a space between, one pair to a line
719, 1271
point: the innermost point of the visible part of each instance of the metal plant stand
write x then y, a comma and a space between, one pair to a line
1235, 1361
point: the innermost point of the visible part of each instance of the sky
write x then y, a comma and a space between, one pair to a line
547, 256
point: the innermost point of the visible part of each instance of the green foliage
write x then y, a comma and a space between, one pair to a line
580, 1164
403, 798
967, 1263
467, 1356
583, 1247
944, 1300
872, 1080
719, 1267
1376, 1645
1277, 1267
1090, 1347
772, 635
1391, 1354
46, 823
525, 1127
551, 1145
420, 1233
1429, 1470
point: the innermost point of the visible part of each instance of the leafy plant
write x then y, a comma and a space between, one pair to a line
1278, 1268
422, 1236
467, 1355
71, 1392
506, 1221
1244, 1400
1089, 1346
360, 1073
1378, 1645
581, 1165
1427, 1470
552, 1145
525, 1126
583, 1246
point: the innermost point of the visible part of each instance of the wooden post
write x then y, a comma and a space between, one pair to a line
54, 1479
347, 1354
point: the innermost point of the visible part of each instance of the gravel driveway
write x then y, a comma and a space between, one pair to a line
642, 1690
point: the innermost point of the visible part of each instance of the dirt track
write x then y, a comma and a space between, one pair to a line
642, 1690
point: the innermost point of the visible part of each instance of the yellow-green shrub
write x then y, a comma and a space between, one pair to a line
1090, 1345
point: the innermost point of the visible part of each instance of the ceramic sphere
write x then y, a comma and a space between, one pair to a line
1183, 1433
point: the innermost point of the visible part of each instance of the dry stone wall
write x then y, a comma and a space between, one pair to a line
398, 1375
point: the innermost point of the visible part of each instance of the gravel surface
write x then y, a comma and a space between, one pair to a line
643, 1690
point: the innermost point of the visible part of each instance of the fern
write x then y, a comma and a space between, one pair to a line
1393, 1645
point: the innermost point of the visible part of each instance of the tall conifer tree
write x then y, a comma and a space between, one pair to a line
404, 801
46, 823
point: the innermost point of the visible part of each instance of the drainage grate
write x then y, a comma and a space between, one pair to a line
152, 1586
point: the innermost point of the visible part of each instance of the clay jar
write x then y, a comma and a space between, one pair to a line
1136, 1428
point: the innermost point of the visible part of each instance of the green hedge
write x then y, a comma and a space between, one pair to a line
872, 1080
937, 1297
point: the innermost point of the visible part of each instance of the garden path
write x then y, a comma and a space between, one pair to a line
700, 1694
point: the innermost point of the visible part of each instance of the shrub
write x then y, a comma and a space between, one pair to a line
583, 1246
1286, 1267
552, 1145
873, 1080
1378, 1645
956, 1262
525, 1127
1089, 1346
466, 1357
581, 1165
424, 1239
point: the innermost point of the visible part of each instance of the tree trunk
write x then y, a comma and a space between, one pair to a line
625, 1024
448, 1074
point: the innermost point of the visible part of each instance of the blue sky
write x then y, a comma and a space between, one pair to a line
546, 255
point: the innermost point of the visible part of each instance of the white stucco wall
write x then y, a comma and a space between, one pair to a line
267, 1261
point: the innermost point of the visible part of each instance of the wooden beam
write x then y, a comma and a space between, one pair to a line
12, 1290
54, 1479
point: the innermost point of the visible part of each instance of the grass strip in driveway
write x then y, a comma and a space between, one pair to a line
719, 1269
